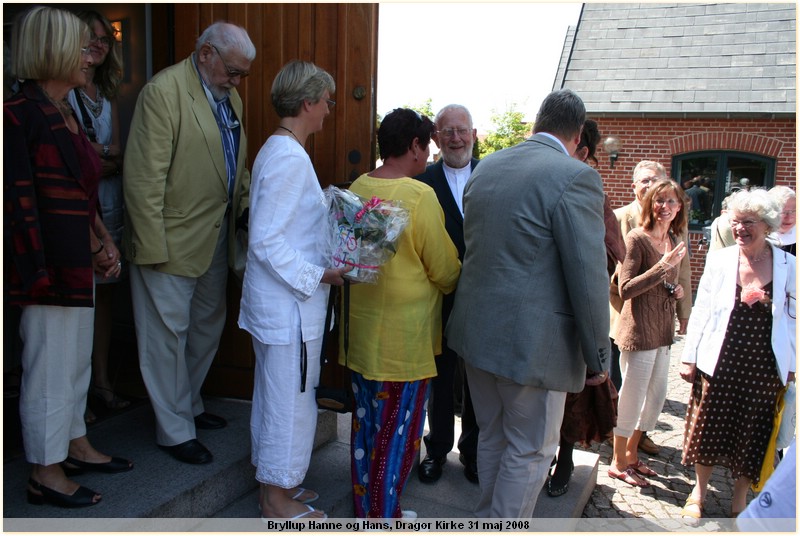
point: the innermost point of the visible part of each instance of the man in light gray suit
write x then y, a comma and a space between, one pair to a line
531, 309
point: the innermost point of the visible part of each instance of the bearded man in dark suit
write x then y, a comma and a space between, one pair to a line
455, 136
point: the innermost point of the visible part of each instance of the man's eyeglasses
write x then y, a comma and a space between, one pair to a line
105, 40
331, 103
232, 73
450, 132
788, 212
747, 224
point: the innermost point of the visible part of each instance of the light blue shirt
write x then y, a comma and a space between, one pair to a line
563, 148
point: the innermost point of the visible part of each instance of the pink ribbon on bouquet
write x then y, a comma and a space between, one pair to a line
369, 205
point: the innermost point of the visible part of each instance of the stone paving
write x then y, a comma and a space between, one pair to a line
662, 502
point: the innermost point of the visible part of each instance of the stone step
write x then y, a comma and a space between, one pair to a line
162, 494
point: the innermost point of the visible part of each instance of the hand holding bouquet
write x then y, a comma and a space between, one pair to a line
364, 232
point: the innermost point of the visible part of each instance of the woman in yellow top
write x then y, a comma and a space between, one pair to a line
395, 325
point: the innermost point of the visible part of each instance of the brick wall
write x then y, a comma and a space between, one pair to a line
662, 138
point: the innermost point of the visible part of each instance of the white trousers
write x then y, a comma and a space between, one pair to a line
179, 321
644, 389
284, 420
57, 369
520, 427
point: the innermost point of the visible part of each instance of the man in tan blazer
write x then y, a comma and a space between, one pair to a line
629, 217
185, 188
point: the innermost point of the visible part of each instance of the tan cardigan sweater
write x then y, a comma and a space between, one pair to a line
647, 320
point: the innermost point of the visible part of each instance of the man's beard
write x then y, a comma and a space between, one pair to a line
458, 158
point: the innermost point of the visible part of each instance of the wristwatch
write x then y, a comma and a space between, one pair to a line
106, 150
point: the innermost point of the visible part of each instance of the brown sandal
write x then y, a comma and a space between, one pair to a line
691, 514
642, 469
629, 476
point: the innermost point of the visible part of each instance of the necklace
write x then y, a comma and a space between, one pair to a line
62, 105
290, 132
757, 258
95, 107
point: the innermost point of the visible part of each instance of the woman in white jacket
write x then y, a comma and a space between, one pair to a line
285, 292
739, 350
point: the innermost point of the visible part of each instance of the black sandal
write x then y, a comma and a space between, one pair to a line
73, 466
82, 497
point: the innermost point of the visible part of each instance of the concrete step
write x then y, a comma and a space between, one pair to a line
162, 494
159, 486
452, 497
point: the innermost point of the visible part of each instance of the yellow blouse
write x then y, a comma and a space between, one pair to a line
396, 324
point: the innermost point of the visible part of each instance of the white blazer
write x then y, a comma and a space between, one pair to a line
715, 300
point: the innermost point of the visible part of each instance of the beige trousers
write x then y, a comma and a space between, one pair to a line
179, 321
520, 428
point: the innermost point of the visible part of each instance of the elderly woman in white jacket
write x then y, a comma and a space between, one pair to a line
739, 350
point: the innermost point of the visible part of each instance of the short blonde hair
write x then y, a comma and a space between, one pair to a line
296, 82
46, 44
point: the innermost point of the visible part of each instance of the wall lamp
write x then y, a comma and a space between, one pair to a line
612, 146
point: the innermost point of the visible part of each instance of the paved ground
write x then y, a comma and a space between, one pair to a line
663, 500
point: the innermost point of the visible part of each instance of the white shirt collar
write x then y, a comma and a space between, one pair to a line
457, 180
563, 148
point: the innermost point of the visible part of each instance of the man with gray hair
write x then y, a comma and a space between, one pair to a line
186, 187
455, 136
531, 310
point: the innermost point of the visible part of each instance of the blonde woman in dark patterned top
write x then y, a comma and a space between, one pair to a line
739, 351
648, 285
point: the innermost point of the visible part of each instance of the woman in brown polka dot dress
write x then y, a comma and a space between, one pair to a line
739, 351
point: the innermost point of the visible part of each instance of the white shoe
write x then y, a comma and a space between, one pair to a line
408, 514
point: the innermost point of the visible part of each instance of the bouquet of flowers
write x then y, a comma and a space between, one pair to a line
364, 232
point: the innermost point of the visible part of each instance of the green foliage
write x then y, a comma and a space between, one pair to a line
510, 130
424, 109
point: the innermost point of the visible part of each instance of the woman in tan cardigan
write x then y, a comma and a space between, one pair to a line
648, 284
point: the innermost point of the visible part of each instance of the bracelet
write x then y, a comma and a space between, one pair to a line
101, 248
106, 150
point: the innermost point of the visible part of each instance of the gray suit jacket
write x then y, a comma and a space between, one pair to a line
532, 301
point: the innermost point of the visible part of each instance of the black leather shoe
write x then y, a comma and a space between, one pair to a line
470, 468
430, 469
207, 421
191, 451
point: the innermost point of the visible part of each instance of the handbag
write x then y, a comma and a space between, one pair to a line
789, 418
768, 466
338, 398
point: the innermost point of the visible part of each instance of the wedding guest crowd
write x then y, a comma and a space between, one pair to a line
498, 288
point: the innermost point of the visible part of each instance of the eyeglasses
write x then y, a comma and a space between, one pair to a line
232, 73
670, 202
85, 51
646, 181
747, 224
331, 103
788, 213
450, 132
104, 40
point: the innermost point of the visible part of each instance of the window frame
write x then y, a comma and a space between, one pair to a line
723, 157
